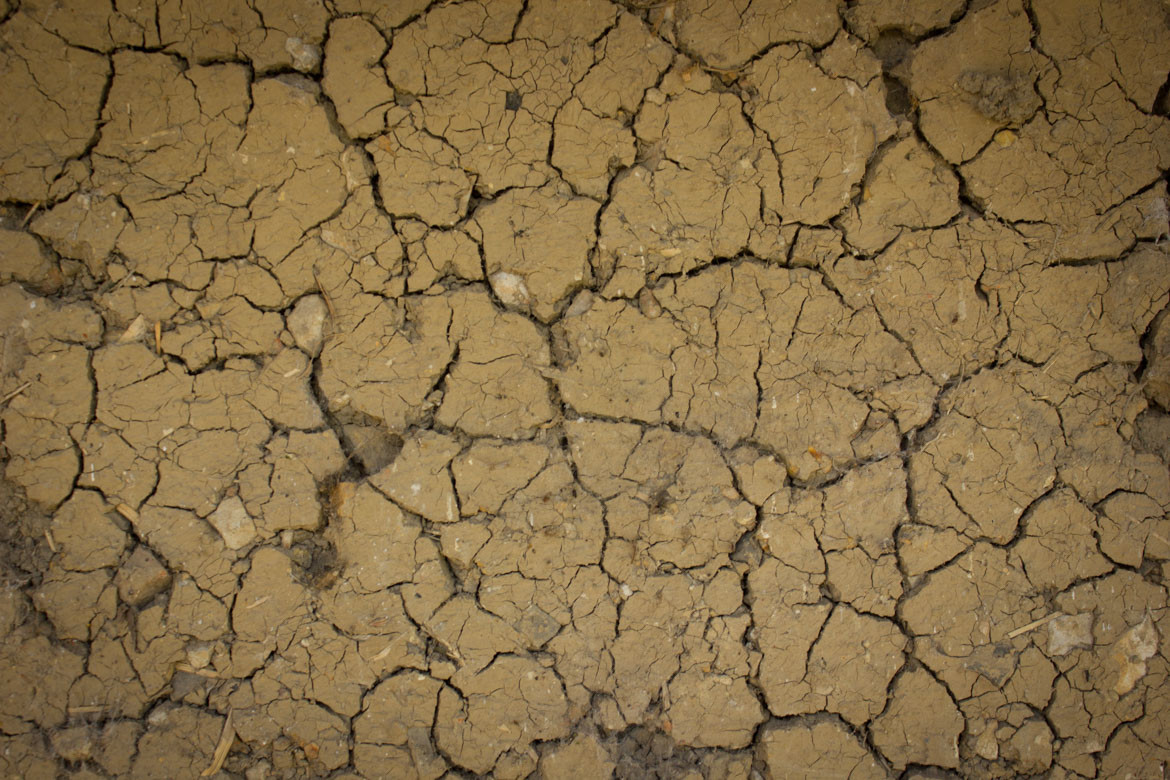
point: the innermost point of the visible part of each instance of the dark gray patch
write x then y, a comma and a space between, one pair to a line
373, 447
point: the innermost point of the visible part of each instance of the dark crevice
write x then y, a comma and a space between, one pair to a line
1162, 100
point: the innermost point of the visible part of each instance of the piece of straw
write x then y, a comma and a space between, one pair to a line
226, 738
1034, 624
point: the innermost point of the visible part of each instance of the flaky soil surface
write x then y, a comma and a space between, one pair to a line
519, 388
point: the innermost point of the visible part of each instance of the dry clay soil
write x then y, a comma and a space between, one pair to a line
688, 389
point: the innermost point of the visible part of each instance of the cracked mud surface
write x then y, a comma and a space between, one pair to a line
768, 388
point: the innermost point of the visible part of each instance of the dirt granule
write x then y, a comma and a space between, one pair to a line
521, 388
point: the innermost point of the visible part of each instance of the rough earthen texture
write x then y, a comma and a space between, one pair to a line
713, 389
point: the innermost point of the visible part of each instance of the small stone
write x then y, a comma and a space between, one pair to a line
199, 654
649, 304
510, 288
233, 523
141, 578
307, 323
1068, 632
305, 56
1006, 138
74, 744
135, 331
581, 304
1136, 646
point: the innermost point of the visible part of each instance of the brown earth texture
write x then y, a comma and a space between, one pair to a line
571, 389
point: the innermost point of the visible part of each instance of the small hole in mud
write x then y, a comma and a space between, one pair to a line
659, 500
898, 100
318, 559
371, 447
891, 47
512, 101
